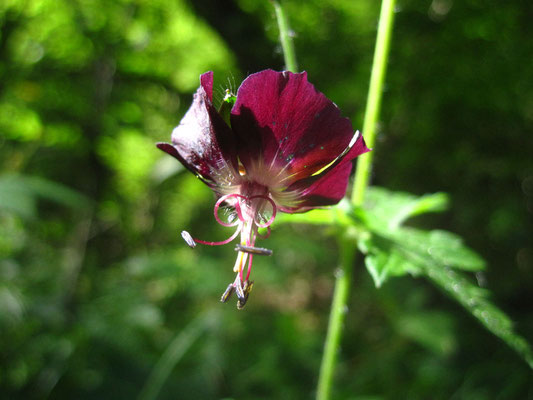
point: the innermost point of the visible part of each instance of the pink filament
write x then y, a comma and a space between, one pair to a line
237, 208
249, 267
240, 223
272, 217
221, 242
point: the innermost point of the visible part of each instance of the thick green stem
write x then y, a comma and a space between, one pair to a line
362, 178
343, 282
373, 104
285, 38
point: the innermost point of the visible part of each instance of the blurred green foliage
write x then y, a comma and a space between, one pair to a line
95, 284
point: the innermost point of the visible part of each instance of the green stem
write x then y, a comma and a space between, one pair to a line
173, 354
373, 104
362, 178
343, 282
285, 38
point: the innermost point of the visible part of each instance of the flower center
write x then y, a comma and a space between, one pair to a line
250, 210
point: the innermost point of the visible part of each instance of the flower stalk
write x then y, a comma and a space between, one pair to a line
285, 38
373, 104
344, 274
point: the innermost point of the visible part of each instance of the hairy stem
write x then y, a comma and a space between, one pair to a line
285, 38
362, 178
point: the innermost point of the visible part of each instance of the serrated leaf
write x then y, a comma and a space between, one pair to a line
428, 203
375, 264
393, 208
442, 247
384, 248
449, 249
382, 265
19, 193
387, 257
393, 250
476, 302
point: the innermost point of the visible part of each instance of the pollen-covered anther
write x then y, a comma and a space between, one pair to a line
241, 289
188, 239
246, 289
261, 251
227, 293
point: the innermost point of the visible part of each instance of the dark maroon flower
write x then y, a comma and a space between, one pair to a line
285, 147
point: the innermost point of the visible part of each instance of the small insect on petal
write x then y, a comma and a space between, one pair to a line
261, 251
227, 294
246, 289
188, 239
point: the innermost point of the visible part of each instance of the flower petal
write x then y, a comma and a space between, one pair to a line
282, 120
203, 142
329, 186
206, 81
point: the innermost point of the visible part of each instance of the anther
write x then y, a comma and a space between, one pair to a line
227, 294
261, 251
188, 239
247, 288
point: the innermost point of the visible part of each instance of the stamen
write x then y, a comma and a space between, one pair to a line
253, 250
237, 206
191, 242
223, 241
227, 294
188, 239
243, 257
239, 290
248, 217
249, 267
247, 288
272, 217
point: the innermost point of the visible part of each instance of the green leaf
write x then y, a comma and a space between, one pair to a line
394, 250
319, 216
393, 208
383, 215
438, 246
18, 202
399, 252
406, 251
174, 352
19, 193
449, 249
343, 214
382, 265
475, 300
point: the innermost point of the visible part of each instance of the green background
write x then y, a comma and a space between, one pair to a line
97, 287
